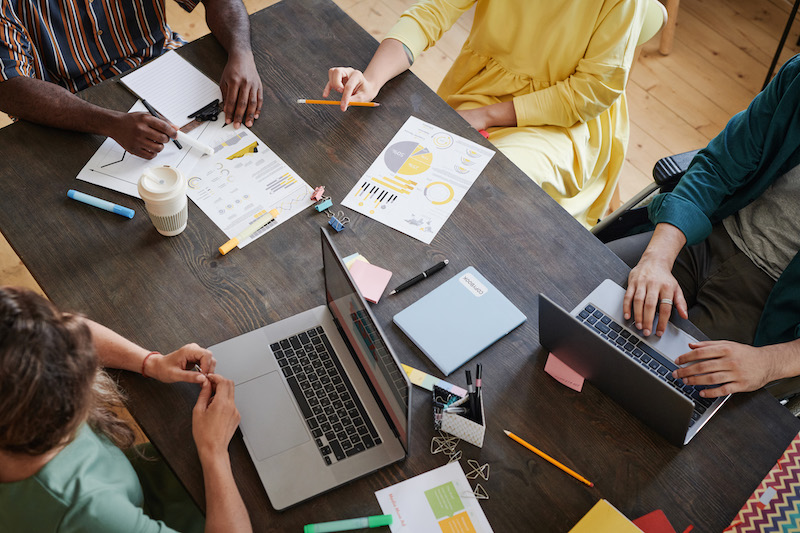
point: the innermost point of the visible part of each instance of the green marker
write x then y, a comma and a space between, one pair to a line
349, 525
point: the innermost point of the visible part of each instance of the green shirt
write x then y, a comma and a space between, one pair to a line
90, 486
758, 145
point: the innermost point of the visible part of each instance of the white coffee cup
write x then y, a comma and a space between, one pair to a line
163, 190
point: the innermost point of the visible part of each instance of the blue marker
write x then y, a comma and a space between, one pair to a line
102, 204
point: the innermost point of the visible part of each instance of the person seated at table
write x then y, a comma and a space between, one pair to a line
62, 467
50, 49
724, 252
545, 79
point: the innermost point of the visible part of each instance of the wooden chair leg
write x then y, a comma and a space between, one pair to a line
668, 33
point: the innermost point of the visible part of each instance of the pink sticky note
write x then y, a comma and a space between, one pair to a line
563, 374
371, 279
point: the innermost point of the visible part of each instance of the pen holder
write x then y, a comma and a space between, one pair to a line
456, 424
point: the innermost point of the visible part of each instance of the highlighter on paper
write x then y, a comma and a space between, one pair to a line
349, 525
262, 221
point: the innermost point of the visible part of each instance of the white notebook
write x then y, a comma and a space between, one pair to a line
459, 319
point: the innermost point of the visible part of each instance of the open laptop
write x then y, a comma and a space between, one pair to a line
322, 397
599, 344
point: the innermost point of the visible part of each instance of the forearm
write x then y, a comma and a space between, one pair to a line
784, 358
665, 245
52, 105
114, 350
390, 59
225, 510
228, 21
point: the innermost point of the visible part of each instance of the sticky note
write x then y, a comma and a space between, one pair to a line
352, 258
563, 374
655, 522
371, 279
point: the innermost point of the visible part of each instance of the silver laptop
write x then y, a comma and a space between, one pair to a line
323, 399
599, 344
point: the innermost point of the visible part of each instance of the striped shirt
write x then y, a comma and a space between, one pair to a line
78, 43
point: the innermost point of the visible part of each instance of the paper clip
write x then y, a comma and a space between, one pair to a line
318, 192
478, 470
338, 223
323, 205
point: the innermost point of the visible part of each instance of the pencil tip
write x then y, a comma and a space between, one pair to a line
506, 432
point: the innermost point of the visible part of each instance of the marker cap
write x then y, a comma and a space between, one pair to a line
380, 520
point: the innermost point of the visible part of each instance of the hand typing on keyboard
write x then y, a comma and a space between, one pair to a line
732, 367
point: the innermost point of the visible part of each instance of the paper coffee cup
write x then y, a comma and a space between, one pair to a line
163, 190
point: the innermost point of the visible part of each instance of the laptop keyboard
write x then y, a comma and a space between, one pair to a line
332, 410
638, 350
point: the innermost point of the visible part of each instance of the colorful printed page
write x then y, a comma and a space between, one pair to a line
439, 501
775, 504
418, 179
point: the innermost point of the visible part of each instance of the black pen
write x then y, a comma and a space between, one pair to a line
478, 383
155, 114
416, 279
470, 395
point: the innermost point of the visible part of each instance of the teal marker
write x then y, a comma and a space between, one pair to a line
102, 204
349, 525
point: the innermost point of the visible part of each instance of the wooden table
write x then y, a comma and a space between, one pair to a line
164, 292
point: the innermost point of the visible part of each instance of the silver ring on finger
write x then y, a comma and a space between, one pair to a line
666, 301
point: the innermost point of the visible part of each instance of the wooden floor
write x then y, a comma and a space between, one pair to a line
721, 54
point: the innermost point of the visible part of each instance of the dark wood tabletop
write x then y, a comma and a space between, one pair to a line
164, 292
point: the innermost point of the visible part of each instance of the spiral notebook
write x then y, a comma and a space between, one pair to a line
459, 319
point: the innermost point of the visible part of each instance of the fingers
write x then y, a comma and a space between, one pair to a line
203, 398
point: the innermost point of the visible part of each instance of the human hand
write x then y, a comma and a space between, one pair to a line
173, 366
242, 91
214, 419
353, 85
650, 283
142, 134
735, 367
478, 118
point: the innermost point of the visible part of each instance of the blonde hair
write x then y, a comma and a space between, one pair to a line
50, 378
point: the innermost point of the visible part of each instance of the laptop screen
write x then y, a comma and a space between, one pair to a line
381, 368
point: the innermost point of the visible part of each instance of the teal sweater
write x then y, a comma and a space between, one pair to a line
756, 147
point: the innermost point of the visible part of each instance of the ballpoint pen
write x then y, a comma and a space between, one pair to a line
416, 279
478, 383
336, 102
471, 393
155, 114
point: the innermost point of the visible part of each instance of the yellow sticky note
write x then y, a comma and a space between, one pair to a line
604, 518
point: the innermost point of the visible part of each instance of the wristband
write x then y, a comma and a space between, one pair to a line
144, 362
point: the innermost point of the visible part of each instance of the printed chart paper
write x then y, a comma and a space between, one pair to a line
418, 179
439, 501
241, 181
114, 168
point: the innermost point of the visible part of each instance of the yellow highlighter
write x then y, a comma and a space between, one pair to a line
260, 222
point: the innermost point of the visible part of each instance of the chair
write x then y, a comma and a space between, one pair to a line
631, 218
654, 19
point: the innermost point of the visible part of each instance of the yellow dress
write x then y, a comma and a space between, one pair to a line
564, 63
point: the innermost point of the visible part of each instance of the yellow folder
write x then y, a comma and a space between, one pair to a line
604, 518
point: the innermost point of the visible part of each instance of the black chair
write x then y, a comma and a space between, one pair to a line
631, 217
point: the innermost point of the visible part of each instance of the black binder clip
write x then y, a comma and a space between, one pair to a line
208, 112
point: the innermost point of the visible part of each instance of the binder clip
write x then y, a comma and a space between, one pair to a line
337, 223
208, 112
324, 203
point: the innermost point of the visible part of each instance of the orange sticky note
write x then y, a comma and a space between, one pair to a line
371, 279
563, 374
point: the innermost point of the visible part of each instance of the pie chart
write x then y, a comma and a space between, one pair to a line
408, 158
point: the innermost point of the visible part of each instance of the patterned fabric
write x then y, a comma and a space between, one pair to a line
78, 43
775, 504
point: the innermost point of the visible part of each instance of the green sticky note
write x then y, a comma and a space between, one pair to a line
444, 500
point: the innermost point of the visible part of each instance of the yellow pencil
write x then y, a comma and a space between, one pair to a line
337, 102
549, 459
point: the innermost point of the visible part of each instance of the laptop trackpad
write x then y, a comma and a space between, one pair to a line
270, 420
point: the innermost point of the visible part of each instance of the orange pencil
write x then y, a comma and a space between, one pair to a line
337, 102
549, 459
